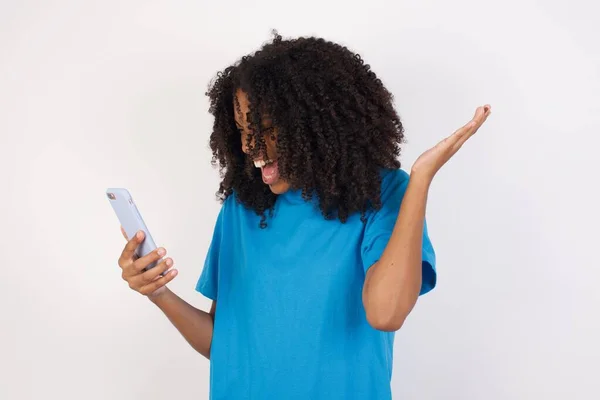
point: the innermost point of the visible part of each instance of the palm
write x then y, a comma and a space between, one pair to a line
430, 162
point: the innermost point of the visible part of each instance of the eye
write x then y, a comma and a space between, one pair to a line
269, 131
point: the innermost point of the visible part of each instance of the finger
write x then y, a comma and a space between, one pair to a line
152, 257
124, 233
139, 279
465, 130
156, 272
468, 130
481, 115
128, 253
158, 283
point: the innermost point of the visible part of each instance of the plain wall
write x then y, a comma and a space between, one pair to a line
102, 94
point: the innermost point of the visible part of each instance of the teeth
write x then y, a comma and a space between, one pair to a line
261, 163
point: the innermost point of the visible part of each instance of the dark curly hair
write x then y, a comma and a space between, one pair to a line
336, 123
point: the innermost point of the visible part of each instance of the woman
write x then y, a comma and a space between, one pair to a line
320, 250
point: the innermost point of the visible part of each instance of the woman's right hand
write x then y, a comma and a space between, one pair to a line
149, 283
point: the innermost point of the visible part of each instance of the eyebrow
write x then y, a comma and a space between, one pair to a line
266, 123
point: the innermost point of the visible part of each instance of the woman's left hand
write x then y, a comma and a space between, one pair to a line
430, 162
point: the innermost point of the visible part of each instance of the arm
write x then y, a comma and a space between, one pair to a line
392, 285
195, 325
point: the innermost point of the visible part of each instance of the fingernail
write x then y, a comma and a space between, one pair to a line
161, 252
174, 272
138, 235
169, 262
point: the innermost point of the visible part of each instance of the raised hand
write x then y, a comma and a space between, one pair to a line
430, 162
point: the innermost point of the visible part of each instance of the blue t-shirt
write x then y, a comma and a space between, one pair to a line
290, 322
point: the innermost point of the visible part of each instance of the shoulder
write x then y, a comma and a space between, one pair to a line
233, 210
228, 206
393, 180
229, 203
393, 185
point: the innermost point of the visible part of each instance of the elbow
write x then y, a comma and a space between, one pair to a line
385, 321
387, 314
387, 306
202, 348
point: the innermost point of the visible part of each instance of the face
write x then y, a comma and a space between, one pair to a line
266, 162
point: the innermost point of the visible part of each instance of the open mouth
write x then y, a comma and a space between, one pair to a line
269, 169
262, 163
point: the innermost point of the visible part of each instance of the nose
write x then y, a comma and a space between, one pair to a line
247, 147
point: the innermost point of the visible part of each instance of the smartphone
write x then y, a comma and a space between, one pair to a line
131, 220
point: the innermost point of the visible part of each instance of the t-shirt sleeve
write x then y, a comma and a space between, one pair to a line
380, 225
208, 283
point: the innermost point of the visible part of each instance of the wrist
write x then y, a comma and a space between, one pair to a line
159, 296
420, 179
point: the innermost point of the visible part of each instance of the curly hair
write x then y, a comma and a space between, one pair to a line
336, 124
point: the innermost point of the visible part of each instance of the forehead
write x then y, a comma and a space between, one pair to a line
241, 105
241, 108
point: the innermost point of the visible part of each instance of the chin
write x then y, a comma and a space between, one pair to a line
279, 187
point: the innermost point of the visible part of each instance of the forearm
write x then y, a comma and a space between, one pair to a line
393, 284
195, 325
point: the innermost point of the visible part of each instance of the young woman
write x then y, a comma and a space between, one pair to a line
320, 250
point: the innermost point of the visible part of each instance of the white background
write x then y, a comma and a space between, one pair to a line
111, 93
